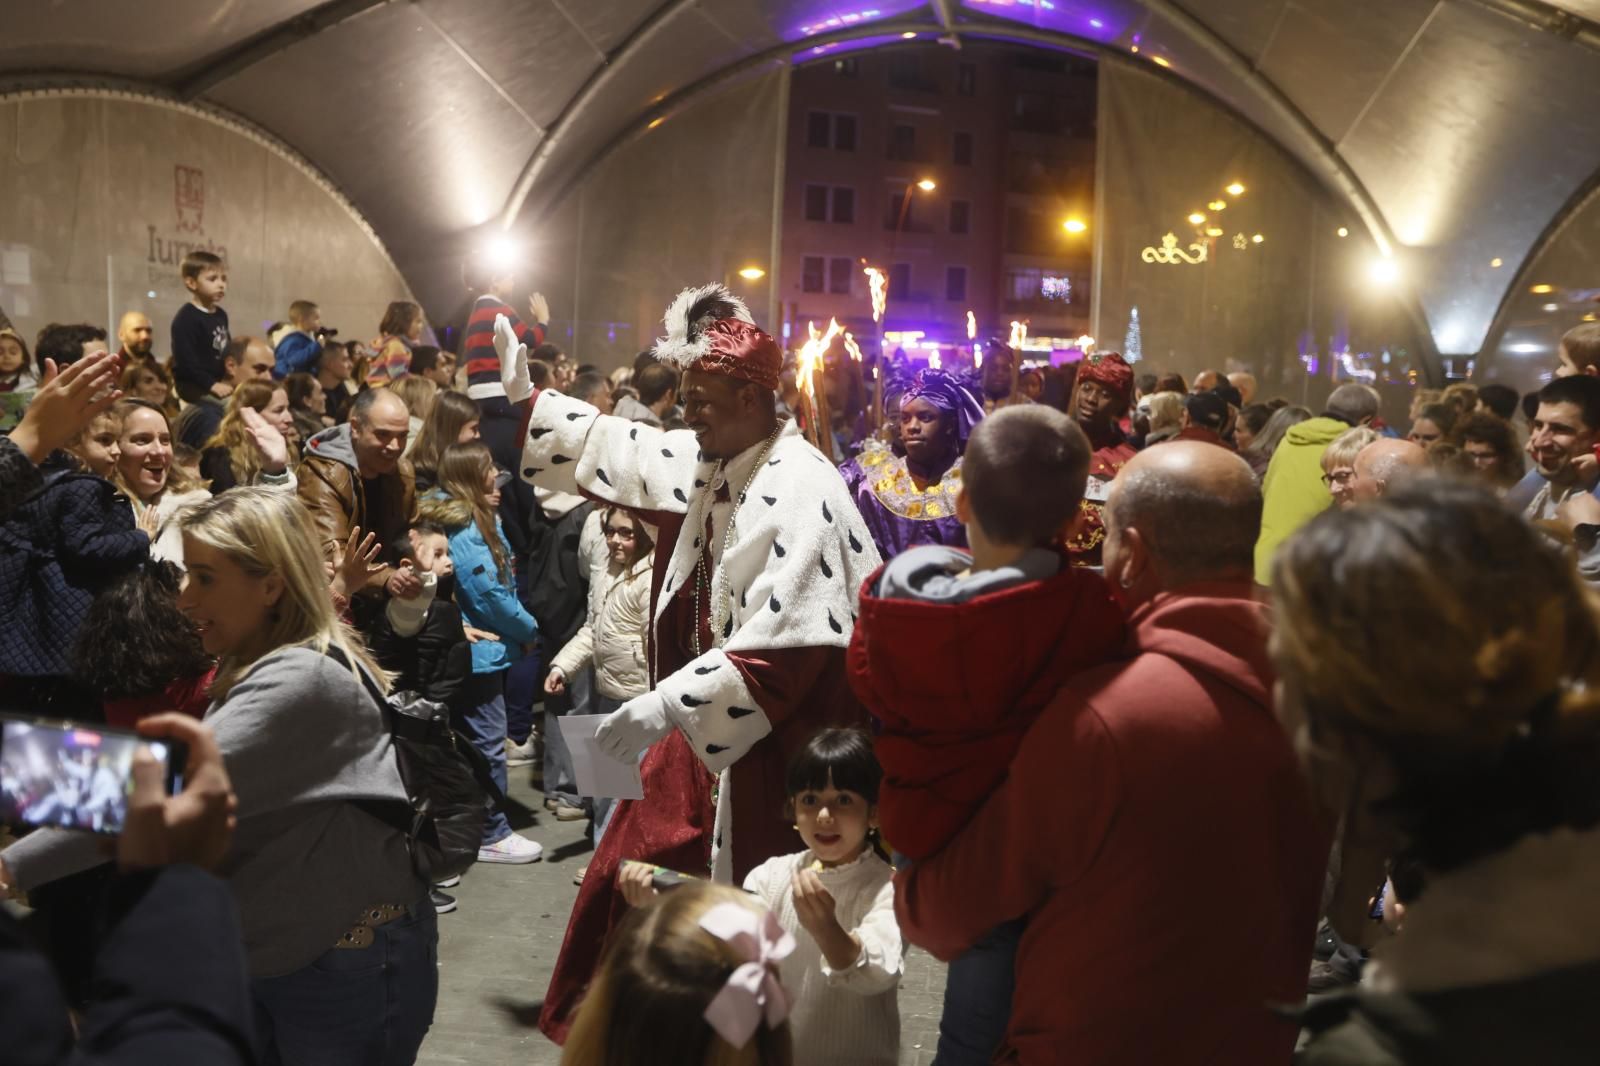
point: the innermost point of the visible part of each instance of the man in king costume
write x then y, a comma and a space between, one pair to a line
752, 604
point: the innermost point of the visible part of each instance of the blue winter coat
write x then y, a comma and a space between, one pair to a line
486, 601
296, 352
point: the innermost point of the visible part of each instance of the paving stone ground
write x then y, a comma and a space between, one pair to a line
496, 953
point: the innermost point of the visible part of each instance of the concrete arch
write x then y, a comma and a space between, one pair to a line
63, 86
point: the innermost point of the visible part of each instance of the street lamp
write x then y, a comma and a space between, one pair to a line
926, 185
1075, 225
752, 273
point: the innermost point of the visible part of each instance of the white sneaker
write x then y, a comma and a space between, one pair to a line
449, 882
521, 754
511, 849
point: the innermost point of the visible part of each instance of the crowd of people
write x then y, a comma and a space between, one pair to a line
1153, 707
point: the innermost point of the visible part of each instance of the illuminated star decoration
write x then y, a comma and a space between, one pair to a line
1240, 242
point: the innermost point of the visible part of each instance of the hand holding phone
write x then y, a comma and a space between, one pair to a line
70, 775
194, 826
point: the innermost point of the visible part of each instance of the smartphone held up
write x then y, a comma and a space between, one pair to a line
67, 775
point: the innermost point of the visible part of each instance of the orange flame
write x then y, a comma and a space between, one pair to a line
879, 283
809, 361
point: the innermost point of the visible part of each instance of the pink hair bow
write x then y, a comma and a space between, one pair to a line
753, 991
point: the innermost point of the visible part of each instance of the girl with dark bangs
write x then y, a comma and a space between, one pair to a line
836, 898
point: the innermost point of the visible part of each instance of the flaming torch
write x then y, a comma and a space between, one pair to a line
809, 366
878, 282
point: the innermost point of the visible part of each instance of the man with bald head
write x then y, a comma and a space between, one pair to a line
1383, 464
1245, 382
137, 337
1152, 799
354, 475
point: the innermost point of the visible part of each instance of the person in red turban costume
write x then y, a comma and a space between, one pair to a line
1101, 395
753, 599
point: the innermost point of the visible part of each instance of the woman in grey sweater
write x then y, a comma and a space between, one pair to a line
340, 935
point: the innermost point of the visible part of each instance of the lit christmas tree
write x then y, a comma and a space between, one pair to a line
1133, 343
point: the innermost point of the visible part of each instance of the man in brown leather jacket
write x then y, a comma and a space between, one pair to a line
353, 475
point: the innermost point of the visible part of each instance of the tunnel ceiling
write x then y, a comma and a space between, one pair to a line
1460, 131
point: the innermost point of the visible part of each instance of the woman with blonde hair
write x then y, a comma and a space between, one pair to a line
419, 395
1166, 416
338, 928
1339, 463
454, 419
1470, 758
692, 980
241, 452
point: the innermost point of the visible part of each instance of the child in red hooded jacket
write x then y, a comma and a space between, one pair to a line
956, 653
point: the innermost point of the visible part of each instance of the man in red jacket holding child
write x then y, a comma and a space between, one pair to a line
1153, 808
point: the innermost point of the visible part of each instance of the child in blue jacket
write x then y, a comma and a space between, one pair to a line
465, 504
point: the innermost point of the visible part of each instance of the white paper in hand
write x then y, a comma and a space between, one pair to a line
598, 774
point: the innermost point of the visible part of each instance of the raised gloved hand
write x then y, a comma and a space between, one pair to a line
633, 727
513, 361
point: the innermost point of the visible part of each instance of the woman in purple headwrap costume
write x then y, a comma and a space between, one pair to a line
911, 498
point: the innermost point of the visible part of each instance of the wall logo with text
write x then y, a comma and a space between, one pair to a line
189, 203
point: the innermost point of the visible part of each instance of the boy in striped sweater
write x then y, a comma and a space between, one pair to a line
483, 365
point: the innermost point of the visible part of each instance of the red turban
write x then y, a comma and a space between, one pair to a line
741, 350
710, 329
1108, 369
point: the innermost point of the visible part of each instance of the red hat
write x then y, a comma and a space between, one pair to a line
710, 330
1108, 369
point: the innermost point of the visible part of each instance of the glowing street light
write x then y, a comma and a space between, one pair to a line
1257, 239
1075, 225
1218, 205
909, 35
501, 252
1196, 218
752, 273
1540, 290
1235, 189
1384, 271
927, 185
1343, 231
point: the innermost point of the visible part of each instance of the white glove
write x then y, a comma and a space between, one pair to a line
513, 361
633, 727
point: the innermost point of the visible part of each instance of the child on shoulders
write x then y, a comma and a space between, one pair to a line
956, 653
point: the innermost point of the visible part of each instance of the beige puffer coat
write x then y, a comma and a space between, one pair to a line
614, 633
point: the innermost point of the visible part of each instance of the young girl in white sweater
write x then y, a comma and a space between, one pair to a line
837, 899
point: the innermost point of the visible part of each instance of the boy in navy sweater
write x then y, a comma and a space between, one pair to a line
200, 328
